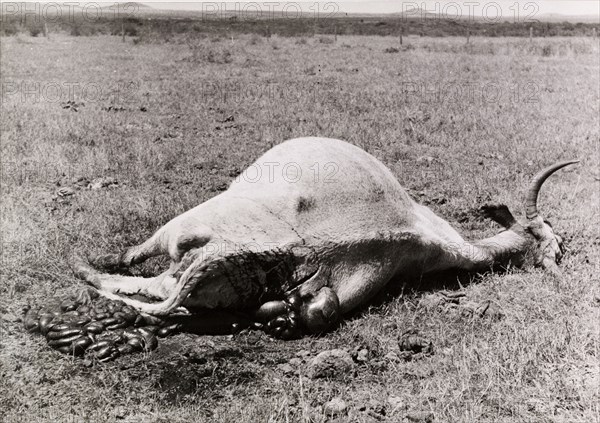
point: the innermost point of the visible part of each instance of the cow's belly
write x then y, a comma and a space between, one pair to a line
333, 181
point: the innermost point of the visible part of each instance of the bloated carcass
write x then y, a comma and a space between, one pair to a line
301, 244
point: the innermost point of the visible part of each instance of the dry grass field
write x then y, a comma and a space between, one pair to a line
459, 125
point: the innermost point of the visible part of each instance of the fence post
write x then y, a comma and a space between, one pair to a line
401, 33
122, 31
46, 29
530, 33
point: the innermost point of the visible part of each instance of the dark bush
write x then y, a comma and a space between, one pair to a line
35, 30
9, 27
131, 30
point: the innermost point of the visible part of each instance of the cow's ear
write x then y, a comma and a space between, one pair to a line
500, 214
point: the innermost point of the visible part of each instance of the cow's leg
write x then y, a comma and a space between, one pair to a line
115, 285
114, 263
175, 239
179, 284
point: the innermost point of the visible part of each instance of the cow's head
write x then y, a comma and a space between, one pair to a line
536, 232
548, 249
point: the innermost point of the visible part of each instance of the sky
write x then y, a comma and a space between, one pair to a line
501, 9
477, 8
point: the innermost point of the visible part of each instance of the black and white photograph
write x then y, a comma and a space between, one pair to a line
300, 212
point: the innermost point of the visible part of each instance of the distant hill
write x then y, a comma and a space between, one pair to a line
556, 17
128, 5
131, 6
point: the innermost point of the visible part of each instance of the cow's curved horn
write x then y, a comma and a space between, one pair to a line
536, 184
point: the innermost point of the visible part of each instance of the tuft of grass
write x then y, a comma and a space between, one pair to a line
255, 39
326, 40
214, 53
